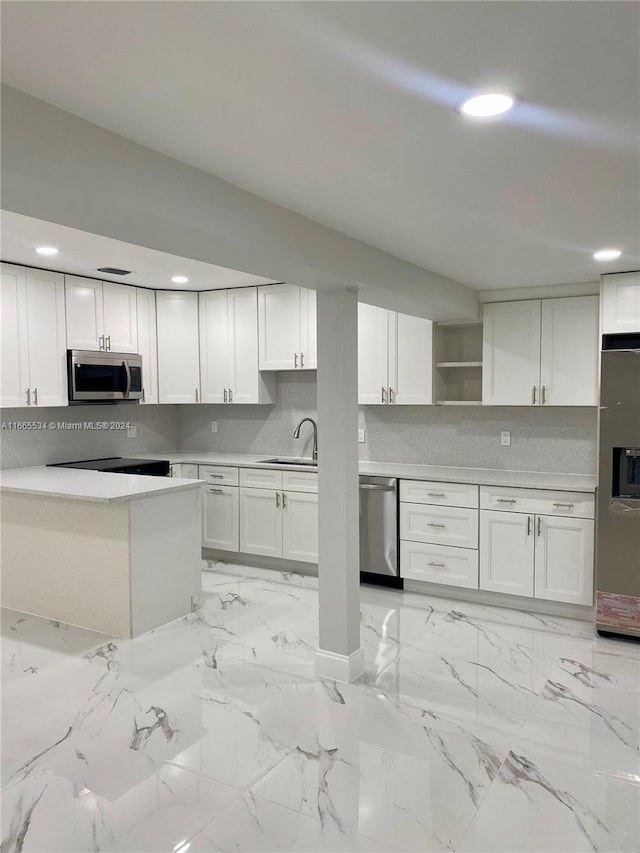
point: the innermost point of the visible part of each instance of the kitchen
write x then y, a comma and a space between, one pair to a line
453, 358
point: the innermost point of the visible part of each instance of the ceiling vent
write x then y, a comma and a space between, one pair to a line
113, 271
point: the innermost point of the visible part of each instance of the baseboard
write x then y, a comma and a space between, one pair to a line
346, 669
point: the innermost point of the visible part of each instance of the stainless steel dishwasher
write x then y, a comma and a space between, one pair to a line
379, 531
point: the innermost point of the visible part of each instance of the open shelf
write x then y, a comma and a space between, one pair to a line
457, 349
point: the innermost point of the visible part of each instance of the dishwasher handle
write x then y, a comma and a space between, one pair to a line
374, 488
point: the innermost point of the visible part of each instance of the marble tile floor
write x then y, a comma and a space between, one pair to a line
475, 729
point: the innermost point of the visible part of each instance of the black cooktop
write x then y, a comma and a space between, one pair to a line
120, 465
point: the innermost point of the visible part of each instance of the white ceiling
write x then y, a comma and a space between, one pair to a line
344, 112
82, 253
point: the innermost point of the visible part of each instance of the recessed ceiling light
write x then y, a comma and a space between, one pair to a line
488, 104
46, 250
607, 254
179, 279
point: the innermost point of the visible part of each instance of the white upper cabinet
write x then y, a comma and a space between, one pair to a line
511, 353
621, 303
541, 352
229, 348
373, 354
569, 352
287, 327
147, 343
178, 349
100, 315
33, 338
395, 358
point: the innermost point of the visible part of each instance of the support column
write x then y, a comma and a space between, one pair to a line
339, 655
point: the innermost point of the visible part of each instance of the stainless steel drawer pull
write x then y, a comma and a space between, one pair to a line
295, 359
433, 524
101, 342
438, 565
505, 500
392, 394
528, 525
217, 491
301, 359
224, 395
533, 401
278, 500
561, 503
539, 526
384, 395
197, 395
284, 501
436, 494
28, 396
108, 342
230, 396
544, 394
217, 476
35, 396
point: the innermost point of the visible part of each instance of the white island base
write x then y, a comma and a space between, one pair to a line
121, 567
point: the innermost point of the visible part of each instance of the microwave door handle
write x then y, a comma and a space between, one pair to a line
125, 364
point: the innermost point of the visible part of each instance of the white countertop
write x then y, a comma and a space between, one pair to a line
406, 471
82, 485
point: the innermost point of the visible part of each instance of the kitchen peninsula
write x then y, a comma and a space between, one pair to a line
116, 553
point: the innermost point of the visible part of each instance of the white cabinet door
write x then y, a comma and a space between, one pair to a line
46, 338
300, 526
279, 326
564, 559
511, 354
14, 353
147, 343
261, 522
373, 349
507, 552
178, 349
569, 352
308, 329
220, 518
621, 303
410, 360
246, 383
214, 346
119, 314
85, 322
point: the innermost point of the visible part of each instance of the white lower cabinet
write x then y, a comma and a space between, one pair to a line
439, 564
277, 518
221, 518
506, 552
532, 554
184, 469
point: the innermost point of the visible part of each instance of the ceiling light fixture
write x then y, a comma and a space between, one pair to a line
46, 250
607, 255
179, 279
487, 104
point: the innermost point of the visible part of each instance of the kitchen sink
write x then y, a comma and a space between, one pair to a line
291, 460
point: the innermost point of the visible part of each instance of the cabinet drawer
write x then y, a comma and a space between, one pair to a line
541, 501
444, 494
299, 481
219, 474
261, 478
439, 564
439, 525
190, 471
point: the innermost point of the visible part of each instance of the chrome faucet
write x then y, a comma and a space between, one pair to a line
296, 434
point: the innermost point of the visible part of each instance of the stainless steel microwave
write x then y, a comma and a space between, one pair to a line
104, 377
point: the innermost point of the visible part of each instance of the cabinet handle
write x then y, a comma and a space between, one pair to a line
35, 396
277, 500
217, 491
436, 494
295, 359
225, 395
539, 526
28, 396
528, 525
384, 395
216, 476
505, 500
438, 565
143, 395
544, 395
433, 524
197, 401
561, 503
301, 359
284, 501
230, 396
101, 342
108, 343
533, 400
392, 394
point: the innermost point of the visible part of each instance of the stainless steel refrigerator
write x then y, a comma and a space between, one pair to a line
618, 529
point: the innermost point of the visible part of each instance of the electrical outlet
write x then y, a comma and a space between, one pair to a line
505, 438
362, 436
214, 426
132, 432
